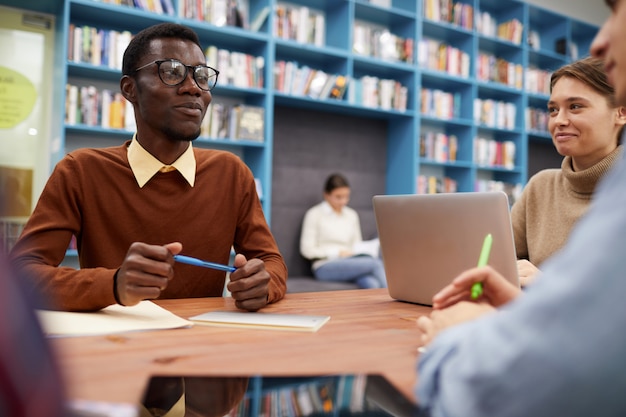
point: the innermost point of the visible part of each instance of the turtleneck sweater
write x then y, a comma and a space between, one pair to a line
553, 200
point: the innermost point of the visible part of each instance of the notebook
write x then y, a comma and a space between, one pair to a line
428, 239
259, 320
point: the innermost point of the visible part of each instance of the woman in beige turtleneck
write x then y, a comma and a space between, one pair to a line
586, 129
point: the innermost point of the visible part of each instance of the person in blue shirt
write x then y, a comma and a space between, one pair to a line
560, 348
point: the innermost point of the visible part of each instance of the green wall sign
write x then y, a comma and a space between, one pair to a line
17, 97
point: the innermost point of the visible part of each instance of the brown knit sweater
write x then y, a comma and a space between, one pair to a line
550, 205
93, 194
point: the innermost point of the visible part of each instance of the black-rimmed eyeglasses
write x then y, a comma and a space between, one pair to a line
173, 72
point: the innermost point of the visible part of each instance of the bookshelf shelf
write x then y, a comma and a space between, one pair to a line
446, 31
451, 124
228, 143
119, 17
500, 47
544, 58
251, 93
82, 129
443, 52
308, 52
389, 17
79, 69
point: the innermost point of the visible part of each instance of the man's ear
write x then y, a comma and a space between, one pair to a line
128, 88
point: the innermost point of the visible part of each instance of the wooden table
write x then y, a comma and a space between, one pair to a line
368, 332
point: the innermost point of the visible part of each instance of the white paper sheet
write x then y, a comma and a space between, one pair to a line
113, 319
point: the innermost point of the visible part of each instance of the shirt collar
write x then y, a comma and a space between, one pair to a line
328, 209
145, 166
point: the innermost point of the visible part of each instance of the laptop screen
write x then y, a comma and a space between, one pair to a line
427, 240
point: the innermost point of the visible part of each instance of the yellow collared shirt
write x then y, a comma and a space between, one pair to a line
145, 166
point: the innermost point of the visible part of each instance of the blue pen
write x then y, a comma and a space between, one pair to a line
197, 262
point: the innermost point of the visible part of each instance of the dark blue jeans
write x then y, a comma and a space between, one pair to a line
365, 271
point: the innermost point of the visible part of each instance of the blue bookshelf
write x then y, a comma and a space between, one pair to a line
544, 40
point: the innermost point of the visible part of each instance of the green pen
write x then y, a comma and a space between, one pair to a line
477, 288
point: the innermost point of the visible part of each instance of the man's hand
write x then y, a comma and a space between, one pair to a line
145, 272
496, 290
442, 319
249, 284
527, 272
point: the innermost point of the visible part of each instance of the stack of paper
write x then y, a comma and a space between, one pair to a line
113, 319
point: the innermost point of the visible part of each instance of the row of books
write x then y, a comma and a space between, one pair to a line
234, 122
440, 104
324, 396
292, 79
303, 400
95, 46
494, 69
513, 191
438, 56
457, 13
537, 119
236, 68
510, 30
300, 24
537, 81
93, 107
379, 42
438, 146
378, 93
431, 184
492, 153
495, 113
156, 6
88, 44
215, 12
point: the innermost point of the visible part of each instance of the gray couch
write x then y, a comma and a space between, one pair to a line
308, 146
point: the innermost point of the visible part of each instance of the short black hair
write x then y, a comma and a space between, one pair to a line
335, 181
141, 41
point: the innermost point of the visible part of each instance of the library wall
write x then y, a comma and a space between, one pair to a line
308, 146
542, 155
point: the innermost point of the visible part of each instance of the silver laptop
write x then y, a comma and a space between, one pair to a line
426, 240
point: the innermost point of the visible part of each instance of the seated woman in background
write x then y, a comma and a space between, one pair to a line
330, 232
586, 128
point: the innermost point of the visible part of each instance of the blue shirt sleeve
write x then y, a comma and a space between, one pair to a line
560, 349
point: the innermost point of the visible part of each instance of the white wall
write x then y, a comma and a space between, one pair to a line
592, 11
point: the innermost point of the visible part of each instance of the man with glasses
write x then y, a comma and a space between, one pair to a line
133, 207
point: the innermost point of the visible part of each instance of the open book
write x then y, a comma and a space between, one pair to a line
367, 247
